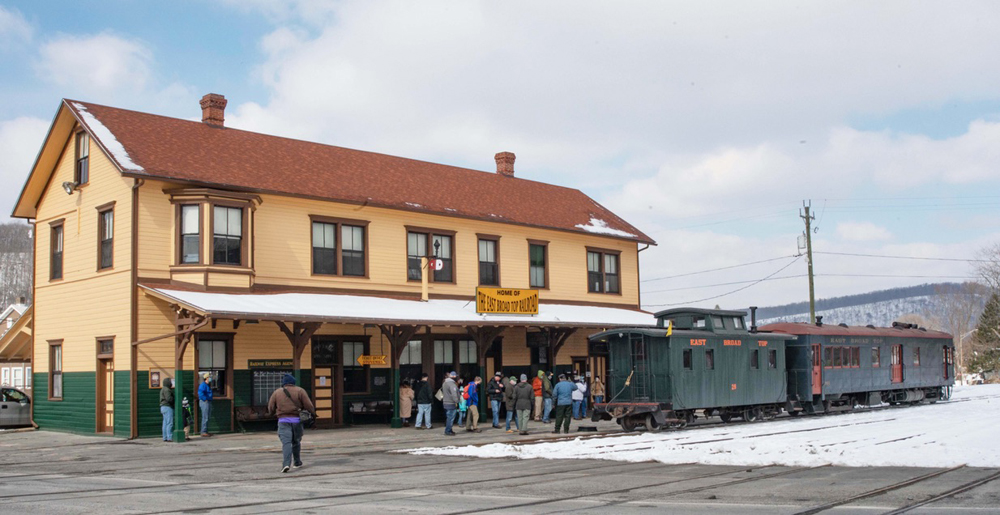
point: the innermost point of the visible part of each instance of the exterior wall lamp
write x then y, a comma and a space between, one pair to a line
69, 186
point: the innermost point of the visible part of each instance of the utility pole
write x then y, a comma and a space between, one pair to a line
809, 258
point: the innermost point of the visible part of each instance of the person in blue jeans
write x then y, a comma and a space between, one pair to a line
167, 410
449, 398
424, 400
205, 402
496, 390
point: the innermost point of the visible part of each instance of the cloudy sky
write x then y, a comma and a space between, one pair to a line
705, 126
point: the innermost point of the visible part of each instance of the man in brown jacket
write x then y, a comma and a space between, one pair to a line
287, 402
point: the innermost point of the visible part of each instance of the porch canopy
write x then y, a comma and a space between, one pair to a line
397, 319
359, 309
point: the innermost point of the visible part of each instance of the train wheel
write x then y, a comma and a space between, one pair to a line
794, 413
753, 414
726, 417
650, 423
628, 424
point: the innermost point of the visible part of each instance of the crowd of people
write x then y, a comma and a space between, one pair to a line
516, 399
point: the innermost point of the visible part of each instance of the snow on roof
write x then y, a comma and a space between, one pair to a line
357, 308
107, 139
598, 226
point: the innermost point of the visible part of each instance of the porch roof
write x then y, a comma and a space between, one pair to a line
359, 309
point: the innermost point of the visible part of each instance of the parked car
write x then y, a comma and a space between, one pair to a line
15, 408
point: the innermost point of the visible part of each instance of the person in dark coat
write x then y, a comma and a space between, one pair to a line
425, 400
167, 410
524, 398
495, 390
508, 399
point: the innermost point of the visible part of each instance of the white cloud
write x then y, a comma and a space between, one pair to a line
13, 28
861, 231
96, 67
20, 141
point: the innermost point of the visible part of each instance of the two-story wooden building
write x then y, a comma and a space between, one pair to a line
168, 247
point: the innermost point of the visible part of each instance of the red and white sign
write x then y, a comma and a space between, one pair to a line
435, 264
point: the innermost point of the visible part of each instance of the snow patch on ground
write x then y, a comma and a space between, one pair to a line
598, 226
108, 139
946, 434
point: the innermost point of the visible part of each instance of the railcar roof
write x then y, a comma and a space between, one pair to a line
660, 332
699, 311
804, 328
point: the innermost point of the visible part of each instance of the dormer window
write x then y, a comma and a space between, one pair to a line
82, 173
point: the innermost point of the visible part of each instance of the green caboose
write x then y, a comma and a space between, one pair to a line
695, 359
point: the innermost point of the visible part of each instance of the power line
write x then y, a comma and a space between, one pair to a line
900, 276
903, 257
776, 272
716, 269
721, 284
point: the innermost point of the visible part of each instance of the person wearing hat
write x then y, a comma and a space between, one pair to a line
508, 400
495, 390
167, 410
563, 393
205, 401
449, 391
524, 396
287, 402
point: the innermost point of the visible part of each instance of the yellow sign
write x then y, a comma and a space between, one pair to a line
506, 301
370, 359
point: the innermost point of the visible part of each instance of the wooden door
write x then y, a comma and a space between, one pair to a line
946, 359
817, 370
897, 363
105, 396
328, 380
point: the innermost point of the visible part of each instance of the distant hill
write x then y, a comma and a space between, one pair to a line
880, 308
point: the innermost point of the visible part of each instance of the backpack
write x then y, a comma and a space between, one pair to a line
465, 392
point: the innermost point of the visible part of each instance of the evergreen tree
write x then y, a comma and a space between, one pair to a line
987, 337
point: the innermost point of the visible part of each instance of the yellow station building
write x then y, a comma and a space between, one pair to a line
166, 248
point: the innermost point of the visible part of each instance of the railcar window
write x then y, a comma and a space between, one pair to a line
687, 359
699, 322
828, 357
754, 364
717, 323
738, 323
856, 357
916, 356
772, 358
709, 359
838, 357
876, 358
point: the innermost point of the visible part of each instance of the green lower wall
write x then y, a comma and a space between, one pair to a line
76, 412
221, 420
123, 404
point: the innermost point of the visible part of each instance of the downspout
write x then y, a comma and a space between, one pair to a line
134, 314
34, 304
638, 290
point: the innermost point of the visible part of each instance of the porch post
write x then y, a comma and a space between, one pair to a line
298, 336
484, 337
186, 323
399, 337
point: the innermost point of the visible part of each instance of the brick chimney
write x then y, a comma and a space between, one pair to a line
505, 163
213, 109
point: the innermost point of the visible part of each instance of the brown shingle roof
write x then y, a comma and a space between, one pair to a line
182, 150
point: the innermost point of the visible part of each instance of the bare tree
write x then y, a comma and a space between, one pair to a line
15, 263
988, 267
960, 309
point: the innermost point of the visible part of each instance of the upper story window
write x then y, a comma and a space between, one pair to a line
537, 270
329, 235
489, 262
190, 234
432, 244
105, 239
227, 235
602, 272
56, 251
82, 172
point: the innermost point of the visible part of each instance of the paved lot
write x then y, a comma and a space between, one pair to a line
355, 469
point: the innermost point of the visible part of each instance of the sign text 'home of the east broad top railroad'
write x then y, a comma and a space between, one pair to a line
506, 301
